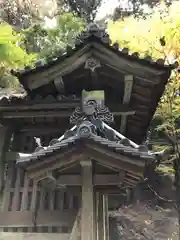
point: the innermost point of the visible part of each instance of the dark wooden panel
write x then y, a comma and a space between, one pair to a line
44, 218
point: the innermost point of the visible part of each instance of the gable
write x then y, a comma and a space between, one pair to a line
119, 61
83, 143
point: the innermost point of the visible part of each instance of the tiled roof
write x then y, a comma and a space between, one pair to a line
14, 99
121, 146
91, 34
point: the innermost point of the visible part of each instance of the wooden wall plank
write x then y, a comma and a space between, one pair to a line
25, 193
34, 196
51, 206
45, 218
5, 136
6, 193
16, 195
42, 197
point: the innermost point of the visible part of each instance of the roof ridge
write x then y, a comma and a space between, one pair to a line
84, 131
95, 33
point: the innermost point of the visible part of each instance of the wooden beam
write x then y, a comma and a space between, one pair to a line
12, 156
68, 158
71, 157
36, 114
128, 84
87, 210
45, 218
98, 180
122, 64
68, 65
40, 106
110, 161
113, 156
28, 112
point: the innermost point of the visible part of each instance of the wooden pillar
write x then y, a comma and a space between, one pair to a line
128, 84
102, 216
105, 217
24, 202
4, 145
99, 216
87, 210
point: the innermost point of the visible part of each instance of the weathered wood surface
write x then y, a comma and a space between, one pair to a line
105, 217
57, 207
43, 110
122, 64
61, 69
102, 216
98, 180
5, 135
76, 229
99, 216
79, 57
7, 195
105, 157
88, 207
33, 236
45, 218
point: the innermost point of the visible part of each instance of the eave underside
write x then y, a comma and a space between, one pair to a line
69, 155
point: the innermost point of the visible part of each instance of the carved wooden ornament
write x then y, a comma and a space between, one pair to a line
92, 64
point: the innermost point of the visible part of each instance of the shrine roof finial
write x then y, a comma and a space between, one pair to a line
94, 30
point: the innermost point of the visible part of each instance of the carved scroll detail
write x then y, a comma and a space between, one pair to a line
101, 112
92, 64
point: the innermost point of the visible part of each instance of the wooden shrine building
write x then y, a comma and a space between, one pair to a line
76, 137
